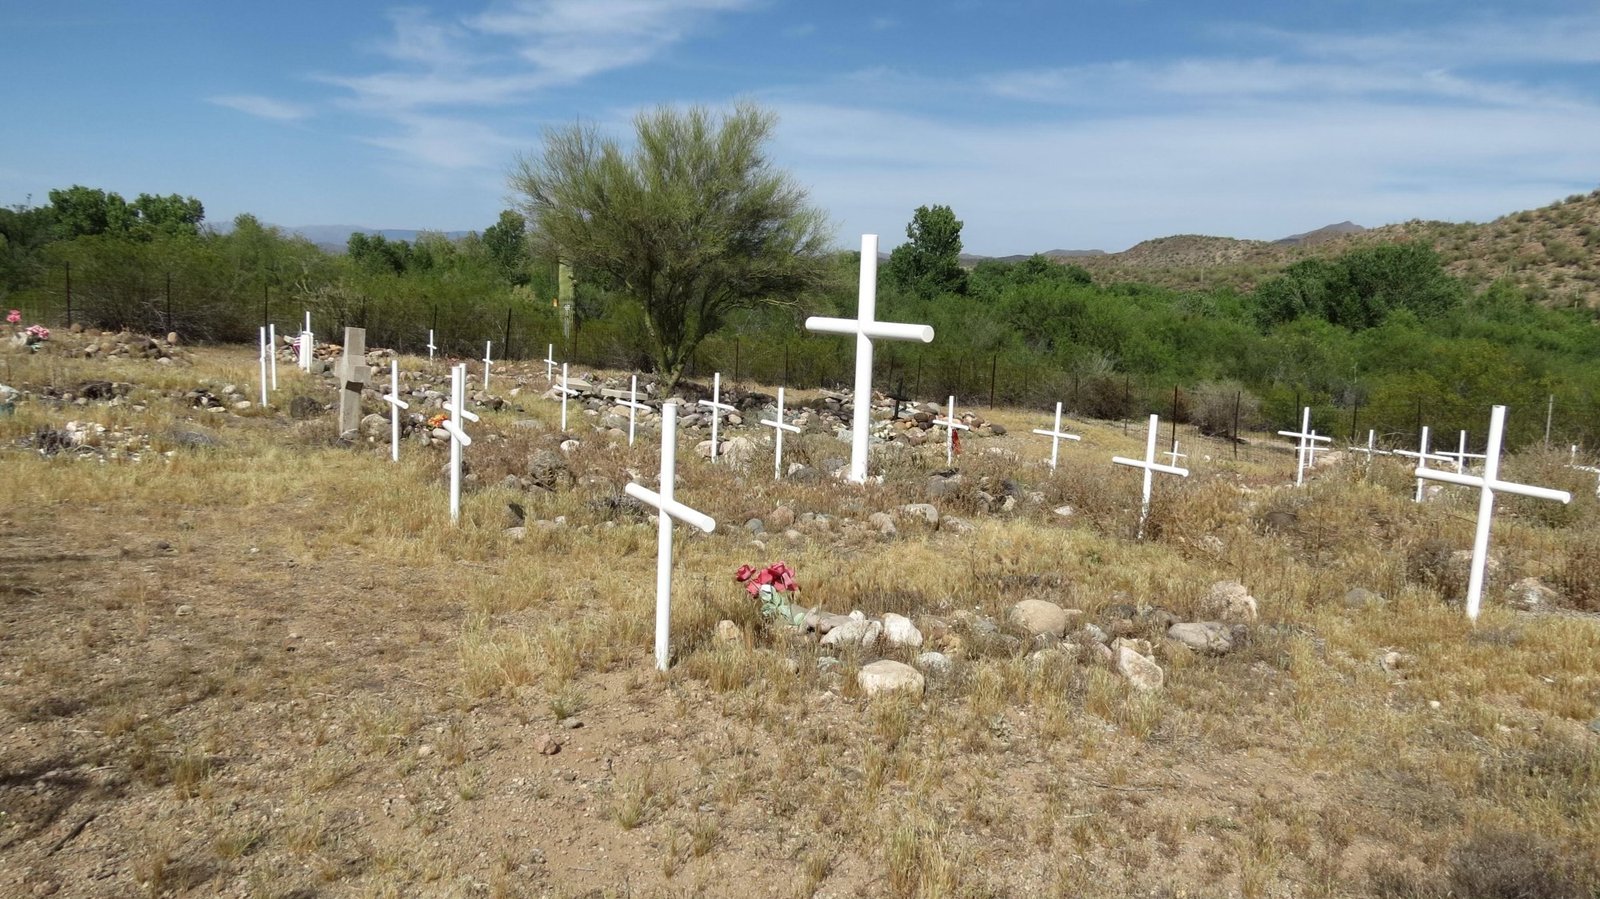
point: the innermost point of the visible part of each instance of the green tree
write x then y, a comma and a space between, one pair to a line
87, 212
692, 223
929, 262
507, 243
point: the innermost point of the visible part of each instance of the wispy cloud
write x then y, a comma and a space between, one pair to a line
262, 107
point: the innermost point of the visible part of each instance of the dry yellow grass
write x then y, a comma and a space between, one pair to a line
272, 668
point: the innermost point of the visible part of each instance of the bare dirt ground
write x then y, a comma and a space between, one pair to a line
269, 667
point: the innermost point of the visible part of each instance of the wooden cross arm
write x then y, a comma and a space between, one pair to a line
459, 435
874, 330
1153, 466
1043, 433
1467, 480
672, 507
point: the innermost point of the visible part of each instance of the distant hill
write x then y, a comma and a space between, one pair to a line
337, 237
968, 260
1325, 233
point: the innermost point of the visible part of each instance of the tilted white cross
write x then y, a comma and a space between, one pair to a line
272, 350
550, 364
950, 428
1461, 455
395, 405
565, 392
486, 345
1173, 453
263, 359
1307, 446
778, 427
717, 407
1573, 464
307, 340
866, 329
633, 404
1056, 436
1422, 456
1488, 484
1371, 448
668, 509
1150, 466
457, 407
431, 347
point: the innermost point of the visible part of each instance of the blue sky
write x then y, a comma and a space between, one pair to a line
1044, 125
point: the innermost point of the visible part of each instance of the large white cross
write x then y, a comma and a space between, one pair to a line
565, 392
866, 329
272, 350
431, 347
668, 509
1056, 436
457, 407
950, 428
1461, 455
1307, 446
263, 354
307, 340
550, 363
717, 407
778, 427
1150, 466
1371, 448
395, 405
1573, 464
1488, 484
486, 345
1422, 456
633, 405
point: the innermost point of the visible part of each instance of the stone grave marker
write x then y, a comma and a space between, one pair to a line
352, 375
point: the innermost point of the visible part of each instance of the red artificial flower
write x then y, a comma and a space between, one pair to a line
779, 575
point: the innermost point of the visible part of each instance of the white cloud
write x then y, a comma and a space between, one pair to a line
448, 142
262, 107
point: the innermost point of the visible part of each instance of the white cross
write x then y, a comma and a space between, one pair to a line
778, 427
1488, 484
457, 407
717, 407
1150, 466
866, 329
307, 340
431, 347
272, 350
1422, 456
550, 364
669, 509
1461, 455
1371, 448
486, 345
263, 366
395, 405
1173, 453
1573, 464
565, 392
950, 428
1056, 436
1303, 454
634, 406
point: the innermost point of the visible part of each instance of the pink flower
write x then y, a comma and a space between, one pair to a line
779, 575
39, 332
15, 317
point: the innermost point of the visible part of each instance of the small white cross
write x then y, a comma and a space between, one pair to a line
1461, 455
272, 350
395, 405
1173, 453
307, 340
431, 347
1423, 456
778, 427
950, 428
486, 345
669, 509
717, 407
1573, 464
550, 364
457, 407
1488, 484
1150, 466
1307, 446
264, 354
865, 330
1371, 448
1056, 436
565, 392
634, 406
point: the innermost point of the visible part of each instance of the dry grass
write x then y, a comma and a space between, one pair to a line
271, 665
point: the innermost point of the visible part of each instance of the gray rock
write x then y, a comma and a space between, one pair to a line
781, 519
1093, 632
939, 485
997, 429
926, 511
855, 633
1362, 598
954, 525
1142, 673
548, 471
899, 631
805, 474
885, 676
1203, 636
938, 663
1230, 601
1039, 616
883, 523
755, 526
740, 450
303, 407
1531, 595
375, 425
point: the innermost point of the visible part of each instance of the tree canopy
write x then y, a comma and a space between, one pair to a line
692, 222
929, 262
